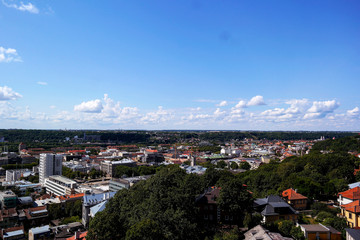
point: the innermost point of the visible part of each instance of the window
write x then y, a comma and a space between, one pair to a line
226, 217
350, 215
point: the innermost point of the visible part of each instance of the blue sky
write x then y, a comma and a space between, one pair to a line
232, 65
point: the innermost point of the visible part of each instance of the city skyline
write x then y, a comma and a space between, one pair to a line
233, 65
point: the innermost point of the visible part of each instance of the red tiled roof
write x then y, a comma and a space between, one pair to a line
292, 195
353, 194
352, 207
78, 195
81, 237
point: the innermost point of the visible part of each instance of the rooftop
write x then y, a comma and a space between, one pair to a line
291, 194
62, 179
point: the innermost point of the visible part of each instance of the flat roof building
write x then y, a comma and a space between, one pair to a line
60, 185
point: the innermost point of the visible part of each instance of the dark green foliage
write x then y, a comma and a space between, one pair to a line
318, 176
221, 164
70, 209
235, 198
344, 144
19, 166
121, 171
234, 165
244, 165
163, 207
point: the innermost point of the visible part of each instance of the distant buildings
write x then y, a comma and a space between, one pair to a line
110, 166
50, 164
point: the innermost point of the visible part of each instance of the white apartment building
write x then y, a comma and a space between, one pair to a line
50, 164
60, 185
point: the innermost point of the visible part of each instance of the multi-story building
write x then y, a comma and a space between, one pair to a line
8, 199
50, 164
110, 166
39, 233
295, 199
91, 200
351, 212
349, 196
15, 175
60, 185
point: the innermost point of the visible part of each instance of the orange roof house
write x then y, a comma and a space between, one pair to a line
351, 212
295, 199
349, 196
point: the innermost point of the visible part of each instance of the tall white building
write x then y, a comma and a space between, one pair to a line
50, 164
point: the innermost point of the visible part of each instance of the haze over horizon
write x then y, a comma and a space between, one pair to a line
206, 65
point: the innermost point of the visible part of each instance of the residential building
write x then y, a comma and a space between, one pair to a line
60, 185
352, 234
8, 218
351, 212
40, 233
349, 196
14, 233
90, 200
50, 164
295, 199
36, 216
274, 208
110, 166
320, 232
259, 232
209, 211
8, 199
15, 175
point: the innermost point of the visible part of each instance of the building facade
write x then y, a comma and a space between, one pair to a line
50, 164
60, 185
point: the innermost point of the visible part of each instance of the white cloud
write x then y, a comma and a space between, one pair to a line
320, 109
9, 55
42, 83
7, 93
31, 8
256, 101
159, 116
323, 106
241, 104
222, 104
94, 106
354, 112
52, 106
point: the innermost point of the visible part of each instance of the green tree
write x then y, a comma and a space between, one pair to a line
146, 229
234, 165
235, 198
221, 164
244, 165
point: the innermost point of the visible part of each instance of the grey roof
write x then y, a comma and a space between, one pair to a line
93, 199
354, 233
354, 185
39, 230
25, 200
274, 205
97, 208
13, 234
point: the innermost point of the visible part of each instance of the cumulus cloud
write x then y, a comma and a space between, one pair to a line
256, 101
320, 109
161, 115
353, 112
93, 106
9, 55
7, 93
222, 104
42, 83
241, 104
29, 7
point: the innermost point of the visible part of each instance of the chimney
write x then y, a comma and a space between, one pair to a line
77, 234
